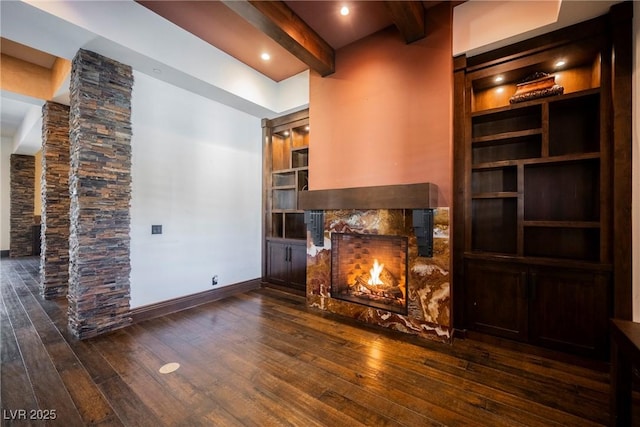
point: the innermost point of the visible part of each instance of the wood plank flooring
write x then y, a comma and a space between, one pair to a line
264, 359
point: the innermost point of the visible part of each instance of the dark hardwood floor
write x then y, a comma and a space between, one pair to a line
263, 359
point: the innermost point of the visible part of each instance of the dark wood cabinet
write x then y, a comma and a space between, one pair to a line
497, 299
286, 166
555, 307
298, 265
534, 232
277, 262
287, 263
569, 309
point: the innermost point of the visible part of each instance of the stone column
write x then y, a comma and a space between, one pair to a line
54, 252
23, 170
100, 185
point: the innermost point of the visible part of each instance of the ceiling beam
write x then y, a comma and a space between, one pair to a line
25, 78
279, 22
409, 18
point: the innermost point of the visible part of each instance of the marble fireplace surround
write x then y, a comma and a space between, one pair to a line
385, 210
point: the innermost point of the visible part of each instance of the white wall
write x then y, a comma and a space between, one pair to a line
635, 211
197, 171
6, 147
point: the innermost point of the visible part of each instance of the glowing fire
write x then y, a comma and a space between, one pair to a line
375, 272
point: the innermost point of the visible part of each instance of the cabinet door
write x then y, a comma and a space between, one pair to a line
298, 266
277, 262
569, 310
497, 299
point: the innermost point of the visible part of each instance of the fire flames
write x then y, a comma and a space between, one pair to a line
370, 270
375, 272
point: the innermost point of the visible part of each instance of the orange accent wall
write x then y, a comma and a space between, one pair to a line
59, 72
22, 77
385, 116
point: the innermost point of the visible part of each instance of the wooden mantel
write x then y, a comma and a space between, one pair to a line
407, 196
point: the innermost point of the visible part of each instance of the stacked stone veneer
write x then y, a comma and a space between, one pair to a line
23, 170
100, 185
54, 249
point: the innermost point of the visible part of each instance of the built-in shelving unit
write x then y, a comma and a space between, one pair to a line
534, 240
532, 181
289, 176
286, 175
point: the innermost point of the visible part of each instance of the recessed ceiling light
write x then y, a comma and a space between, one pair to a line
344, 10
498, 79
500, 90
265, 56
561, 63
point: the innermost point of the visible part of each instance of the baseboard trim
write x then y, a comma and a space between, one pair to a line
534, 350
286, 289
5, 254
186, 302
459, 333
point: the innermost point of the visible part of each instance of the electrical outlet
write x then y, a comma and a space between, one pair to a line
214, 280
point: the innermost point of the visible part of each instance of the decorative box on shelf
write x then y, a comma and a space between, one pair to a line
538, 85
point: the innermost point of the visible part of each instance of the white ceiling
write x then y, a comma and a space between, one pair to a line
21, 121
163, 51
130, 33
13, 112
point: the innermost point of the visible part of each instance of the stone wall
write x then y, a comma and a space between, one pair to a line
54, 251
100, 184
23, 169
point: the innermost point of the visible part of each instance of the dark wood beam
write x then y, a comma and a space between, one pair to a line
408, 16
278, 21
403, 196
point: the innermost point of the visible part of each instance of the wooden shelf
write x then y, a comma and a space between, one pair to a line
526, 147
290, 170
506, 135
300, 157
287, 211
537, 160
550, 262
569, 158
496, 165
496, 195
540, 101
506, 121
562, 224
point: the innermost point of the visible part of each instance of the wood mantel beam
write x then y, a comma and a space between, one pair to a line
403, 196
408, 16
278, 21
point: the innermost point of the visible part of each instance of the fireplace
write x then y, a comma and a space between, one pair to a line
354, 227
370, 269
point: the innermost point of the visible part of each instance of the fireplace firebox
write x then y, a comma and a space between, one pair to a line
370, 269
